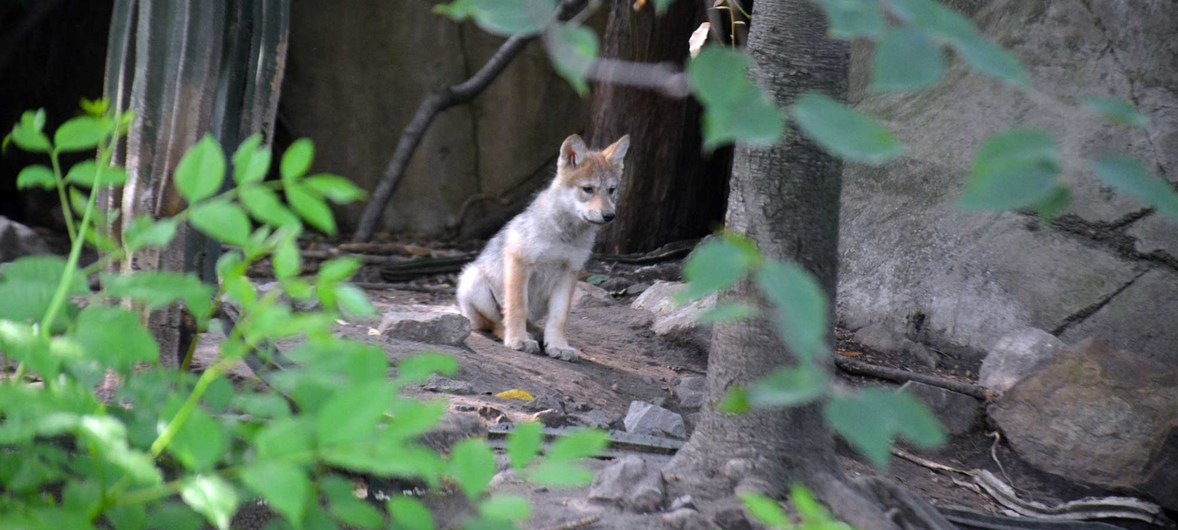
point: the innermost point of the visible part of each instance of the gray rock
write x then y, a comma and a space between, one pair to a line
596, 418
445, 385
425, 323
685, 519
879, 337
265, 288
1098, 416
960, 280
692, 392
615, 284
958, 412
453, 428
1017, 355
1140, 318
632, 483
674, 321
18, 240
586, 292
1155, 234
637, 289
647, 418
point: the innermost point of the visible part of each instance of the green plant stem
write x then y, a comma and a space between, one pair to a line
189, 406
59, 179
67, 277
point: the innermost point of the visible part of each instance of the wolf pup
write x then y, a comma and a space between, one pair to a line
529, 269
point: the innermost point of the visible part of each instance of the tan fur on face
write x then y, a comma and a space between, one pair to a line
588, 171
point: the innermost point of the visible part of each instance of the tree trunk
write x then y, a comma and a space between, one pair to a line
187, 68
666, 166
786, 199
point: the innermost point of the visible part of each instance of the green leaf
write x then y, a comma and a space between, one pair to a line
79, 134
736, 401
30, 139
801, 308
221, 220
172, 516
573, 50
577, 445
906, 60
36, 176
200, 443
83, 174
251, 161
283, 485
109, 437
115, 338
717, 264
95, 108
506, 507
346, 507
419, 367
727, 313
335, 188
1054, 204
852, 19
523, 444
765, 510
211, 497
286, 260
472, 465
144, 232
870, 421
352, 414
296, 160
844, 132
813, 514
1127, 175
33, 120
502, 17
353, 301
201, 170
263, 204
560, 474
409, 514
990, 59
735, 110
28, 284
946, 24
285, 439
311, 207
1116, 111
1012, 170
158, 289
337, 270
788, 387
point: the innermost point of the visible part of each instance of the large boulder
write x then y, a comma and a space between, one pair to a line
1100, 416
18, 240
679, 322
914, 262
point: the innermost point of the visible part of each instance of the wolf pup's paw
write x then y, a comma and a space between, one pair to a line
567, 353
525, 344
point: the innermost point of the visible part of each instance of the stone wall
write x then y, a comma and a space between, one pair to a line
356, 72
912, 261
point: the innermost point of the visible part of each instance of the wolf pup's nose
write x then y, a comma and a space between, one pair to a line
607, 217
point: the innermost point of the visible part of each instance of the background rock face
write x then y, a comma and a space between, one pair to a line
912, 261
1099, 416
356, 72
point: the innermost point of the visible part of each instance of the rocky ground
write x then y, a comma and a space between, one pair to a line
638, 360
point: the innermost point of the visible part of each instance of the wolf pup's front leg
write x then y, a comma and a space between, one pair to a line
555, 343
515, 305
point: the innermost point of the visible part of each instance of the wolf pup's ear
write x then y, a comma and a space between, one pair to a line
572, 151
616, 153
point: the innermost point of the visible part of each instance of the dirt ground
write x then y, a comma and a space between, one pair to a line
624, 361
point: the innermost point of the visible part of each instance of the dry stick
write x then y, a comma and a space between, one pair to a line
437, 101
900, 376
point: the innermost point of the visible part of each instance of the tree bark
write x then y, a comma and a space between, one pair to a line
786, 199
666, 166
187, 68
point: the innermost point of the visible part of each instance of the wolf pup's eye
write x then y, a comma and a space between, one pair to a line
587, 189
612, 189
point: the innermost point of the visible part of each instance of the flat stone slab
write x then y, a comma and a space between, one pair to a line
425, 323
632, 483
648, 418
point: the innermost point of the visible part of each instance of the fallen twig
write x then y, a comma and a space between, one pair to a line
852, 366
